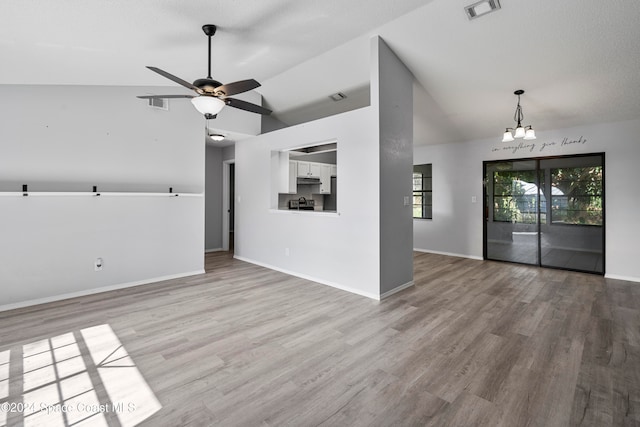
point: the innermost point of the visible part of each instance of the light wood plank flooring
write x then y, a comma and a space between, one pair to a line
473, 343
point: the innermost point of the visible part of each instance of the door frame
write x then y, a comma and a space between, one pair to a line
485, 210
226, 190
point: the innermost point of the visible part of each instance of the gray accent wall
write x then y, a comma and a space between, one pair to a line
213, 198
229, 153
394, 99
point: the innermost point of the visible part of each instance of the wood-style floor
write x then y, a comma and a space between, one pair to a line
473, 343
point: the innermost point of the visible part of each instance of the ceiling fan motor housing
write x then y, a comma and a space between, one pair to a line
207, 85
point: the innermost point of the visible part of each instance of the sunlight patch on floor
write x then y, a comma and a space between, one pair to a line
61, 386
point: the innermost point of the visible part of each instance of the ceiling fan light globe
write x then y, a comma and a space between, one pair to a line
519, 132
530, 134
507, 137
207, 104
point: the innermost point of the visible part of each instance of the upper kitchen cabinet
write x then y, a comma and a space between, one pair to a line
325, 178
284, 173
308, 169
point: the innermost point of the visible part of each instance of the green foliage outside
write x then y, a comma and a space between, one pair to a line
511, 203
576, 196
581, 202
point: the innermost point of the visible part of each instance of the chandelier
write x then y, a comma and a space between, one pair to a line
519, 131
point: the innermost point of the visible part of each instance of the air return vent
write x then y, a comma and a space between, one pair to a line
481, 8
159, 103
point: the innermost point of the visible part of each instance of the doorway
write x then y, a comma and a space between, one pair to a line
546, 211
228, 205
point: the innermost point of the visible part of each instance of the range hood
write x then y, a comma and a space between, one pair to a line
308, 181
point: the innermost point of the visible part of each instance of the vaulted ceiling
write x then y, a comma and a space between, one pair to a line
577, 60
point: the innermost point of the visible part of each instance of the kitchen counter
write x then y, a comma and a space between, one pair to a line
310, 213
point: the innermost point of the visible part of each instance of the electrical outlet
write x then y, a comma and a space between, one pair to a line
473, 199
97, 266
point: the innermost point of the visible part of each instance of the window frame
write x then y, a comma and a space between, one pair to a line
424, 173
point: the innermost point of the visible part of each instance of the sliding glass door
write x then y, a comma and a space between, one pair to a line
547, 212
512, 222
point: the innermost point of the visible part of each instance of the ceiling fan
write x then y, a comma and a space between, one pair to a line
212, 95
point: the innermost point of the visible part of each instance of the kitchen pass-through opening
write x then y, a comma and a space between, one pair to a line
305, 178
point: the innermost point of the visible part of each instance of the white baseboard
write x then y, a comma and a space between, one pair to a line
206, 251
396, 290
618, 277
93, 291
312, 279
428, 251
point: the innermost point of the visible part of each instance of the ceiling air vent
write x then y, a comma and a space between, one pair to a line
159, 103
481, 8
338, 96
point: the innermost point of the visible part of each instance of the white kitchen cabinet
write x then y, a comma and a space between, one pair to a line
325, 179
314, 169
293, 177
284, 174
308, 169
303, 169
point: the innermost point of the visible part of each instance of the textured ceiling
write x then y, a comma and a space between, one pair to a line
108, 42
577, 59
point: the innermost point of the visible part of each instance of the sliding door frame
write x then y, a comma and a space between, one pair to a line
486, 208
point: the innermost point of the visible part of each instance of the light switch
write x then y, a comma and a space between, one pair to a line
407, 200
473, 199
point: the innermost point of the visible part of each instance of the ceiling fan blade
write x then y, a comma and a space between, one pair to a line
237, 87
247, 106
165, 96
175, 79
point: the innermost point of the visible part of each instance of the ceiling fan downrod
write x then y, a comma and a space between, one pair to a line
209, 30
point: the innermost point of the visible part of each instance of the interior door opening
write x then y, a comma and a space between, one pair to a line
228, 205
548, 212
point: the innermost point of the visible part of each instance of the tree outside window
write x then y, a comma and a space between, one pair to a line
422, 193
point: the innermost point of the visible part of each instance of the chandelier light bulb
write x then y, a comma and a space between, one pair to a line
530, 134
507, 136
519, 132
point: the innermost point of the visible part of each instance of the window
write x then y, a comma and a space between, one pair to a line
576, 195
515, 197
422, 198
575, 192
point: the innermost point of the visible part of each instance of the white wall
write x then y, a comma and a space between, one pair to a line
342, 249
365, 248
60, 138
456, 227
